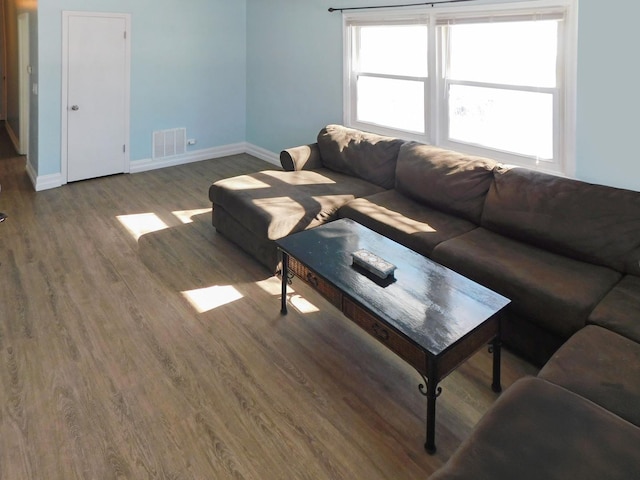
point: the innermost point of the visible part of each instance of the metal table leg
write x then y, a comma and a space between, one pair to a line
285, 280
496, 348
432, 393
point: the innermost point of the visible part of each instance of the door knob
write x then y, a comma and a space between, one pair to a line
75, 107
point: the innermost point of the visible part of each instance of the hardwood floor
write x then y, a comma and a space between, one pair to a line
136, 342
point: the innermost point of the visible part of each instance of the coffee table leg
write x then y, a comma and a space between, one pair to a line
285, 279
496, 347
433, 392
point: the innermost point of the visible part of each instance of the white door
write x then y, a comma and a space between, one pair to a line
97, 95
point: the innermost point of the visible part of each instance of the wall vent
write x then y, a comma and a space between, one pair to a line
167, 143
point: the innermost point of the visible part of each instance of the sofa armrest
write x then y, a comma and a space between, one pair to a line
304, 157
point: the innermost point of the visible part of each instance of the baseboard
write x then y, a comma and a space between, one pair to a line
196, 156
205, 154
263, 154
45, 182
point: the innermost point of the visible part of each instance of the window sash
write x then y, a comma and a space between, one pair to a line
520, 154
355, 73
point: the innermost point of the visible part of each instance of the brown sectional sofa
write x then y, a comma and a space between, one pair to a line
567, 253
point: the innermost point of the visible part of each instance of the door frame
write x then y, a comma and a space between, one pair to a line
3, 53
65, 85
24, 83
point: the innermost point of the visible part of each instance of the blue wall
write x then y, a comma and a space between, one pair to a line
294, 71
269, 72
608, 93
188, 69
295, 80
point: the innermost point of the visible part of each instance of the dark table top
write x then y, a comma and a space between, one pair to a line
430, 304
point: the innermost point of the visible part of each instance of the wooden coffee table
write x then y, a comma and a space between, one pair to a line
429, 315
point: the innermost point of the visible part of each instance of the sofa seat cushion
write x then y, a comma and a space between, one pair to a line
410, 223
602, 366
273, 203
449, 181
592, 223
556, 292
361, 154
538, 430
620, 309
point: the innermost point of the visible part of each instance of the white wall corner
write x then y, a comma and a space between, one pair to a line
263, 154
43, 182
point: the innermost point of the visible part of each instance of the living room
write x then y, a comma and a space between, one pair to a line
166, 355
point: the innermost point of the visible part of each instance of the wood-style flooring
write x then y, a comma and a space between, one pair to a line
137, 343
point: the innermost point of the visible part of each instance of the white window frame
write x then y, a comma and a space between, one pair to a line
436, 111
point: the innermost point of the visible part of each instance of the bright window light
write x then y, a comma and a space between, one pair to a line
390, 71
508, 53
393, 49
391, 102
507, 120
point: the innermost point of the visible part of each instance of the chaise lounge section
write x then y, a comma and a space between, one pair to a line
255, 210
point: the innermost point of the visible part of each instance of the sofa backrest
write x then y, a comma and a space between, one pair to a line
365, 155
444, 179
592, 223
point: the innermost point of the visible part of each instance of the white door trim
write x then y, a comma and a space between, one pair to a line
65, 85
24, 82
3, 39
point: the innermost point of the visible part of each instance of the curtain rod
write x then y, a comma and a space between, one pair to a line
396, 6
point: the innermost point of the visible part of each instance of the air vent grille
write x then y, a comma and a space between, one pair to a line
168, 143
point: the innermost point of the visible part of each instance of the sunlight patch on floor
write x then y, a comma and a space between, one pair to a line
186, 216
302, 305
209, 298
273, 286
142, 223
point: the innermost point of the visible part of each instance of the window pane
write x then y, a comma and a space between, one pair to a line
391, 103
512, 121
393, 50
512, 53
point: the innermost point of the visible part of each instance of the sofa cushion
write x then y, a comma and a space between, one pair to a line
537, 430
602, 366
273, 204
449, 181
620, 309
556, 292
588, 222
364, 155
414, 225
